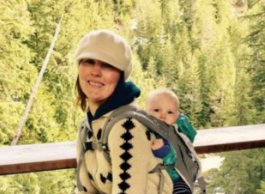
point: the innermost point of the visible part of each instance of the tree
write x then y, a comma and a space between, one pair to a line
189, 88
255, 40
241, 172
16, 75
262, 188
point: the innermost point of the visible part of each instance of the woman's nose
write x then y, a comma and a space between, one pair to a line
96, 69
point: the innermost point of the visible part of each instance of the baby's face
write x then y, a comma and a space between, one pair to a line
164, 108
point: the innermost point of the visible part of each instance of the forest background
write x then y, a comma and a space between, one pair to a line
210, 53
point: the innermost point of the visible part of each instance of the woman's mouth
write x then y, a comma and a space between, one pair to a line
97, 84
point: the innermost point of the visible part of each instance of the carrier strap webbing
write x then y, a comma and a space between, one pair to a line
82, 137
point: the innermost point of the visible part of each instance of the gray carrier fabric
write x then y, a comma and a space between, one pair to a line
187, 163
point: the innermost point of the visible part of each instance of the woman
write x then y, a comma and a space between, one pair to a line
104, 62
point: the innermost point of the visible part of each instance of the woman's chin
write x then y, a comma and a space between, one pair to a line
96, 100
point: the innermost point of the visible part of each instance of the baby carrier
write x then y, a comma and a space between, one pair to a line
187, 163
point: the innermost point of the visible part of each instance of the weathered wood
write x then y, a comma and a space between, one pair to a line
55, 156
37, 157
230, 139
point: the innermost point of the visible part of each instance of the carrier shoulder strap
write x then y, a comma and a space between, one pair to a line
82, 137
83, 129
201, 181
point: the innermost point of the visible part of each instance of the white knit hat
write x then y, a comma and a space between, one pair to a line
106, 46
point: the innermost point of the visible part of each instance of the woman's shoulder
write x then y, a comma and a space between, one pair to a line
127, 120
83, 124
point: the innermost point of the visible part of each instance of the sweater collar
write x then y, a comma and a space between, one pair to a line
124, 94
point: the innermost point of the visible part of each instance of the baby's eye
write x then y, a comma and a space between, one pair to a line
156, 110
170, 112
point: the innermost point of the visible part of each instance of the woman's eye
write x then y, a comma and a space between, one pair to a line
107, 65
90, 61
156, 110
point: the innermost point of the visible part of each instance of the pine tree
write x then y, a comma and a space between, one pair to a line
189, 89
262, 188
146, 86
255, 40
16, 75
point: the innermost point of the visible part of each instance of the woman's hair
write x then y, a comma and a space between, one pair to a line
81, 99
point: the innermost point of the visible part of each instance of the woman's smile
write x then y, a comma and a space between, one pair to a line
95, 84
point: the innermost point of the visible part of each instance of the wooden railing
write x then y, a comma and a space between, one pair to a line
55, 156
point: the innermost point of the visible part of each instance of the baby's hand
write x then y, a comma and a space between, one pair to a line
157, 144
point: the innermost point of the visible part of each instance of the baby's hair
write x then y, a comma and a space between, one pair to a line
160, 91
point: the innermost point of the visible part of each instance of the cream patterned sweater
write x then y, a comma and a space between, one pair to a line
132, 160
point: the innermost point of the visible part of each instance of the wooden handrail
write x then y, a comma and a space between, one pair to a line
230, 139
37, 157
55, 156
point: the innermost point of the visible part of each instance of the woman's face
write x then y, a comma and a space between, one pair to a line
98, 80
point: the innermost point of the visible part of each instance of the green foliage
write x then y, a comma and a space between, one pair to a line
45, 183
255, 40
262, 188
15, 82
241, 172
189, 88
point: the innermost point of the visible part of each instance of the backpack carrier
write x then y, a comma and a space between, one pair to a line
187, 163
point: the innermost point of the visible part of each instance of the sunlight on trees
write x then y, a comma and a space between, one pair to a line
210, 53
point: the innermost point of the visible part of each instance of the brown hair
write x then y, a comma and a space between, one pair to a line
80, 95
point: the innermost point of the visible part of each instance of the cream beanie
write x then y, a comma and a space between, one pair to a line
106, 46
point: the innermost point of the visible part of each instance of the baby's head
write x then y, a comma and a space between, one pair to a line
163, 104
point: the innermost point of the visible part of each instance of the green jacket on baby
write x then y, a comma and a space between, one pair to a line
167, 152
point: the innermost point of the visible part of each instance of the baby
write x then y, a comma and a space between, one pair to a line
163, 104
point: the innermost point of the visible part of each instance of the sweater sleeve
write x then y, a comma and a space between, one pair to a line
186, 127
88, 187
163, 151
130, 151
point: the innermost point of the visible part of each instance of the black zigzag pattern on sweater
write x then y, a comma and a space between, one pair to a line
90, 177
84, 188
148, 135
99, 134
89, 134
104, 179
126, 156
